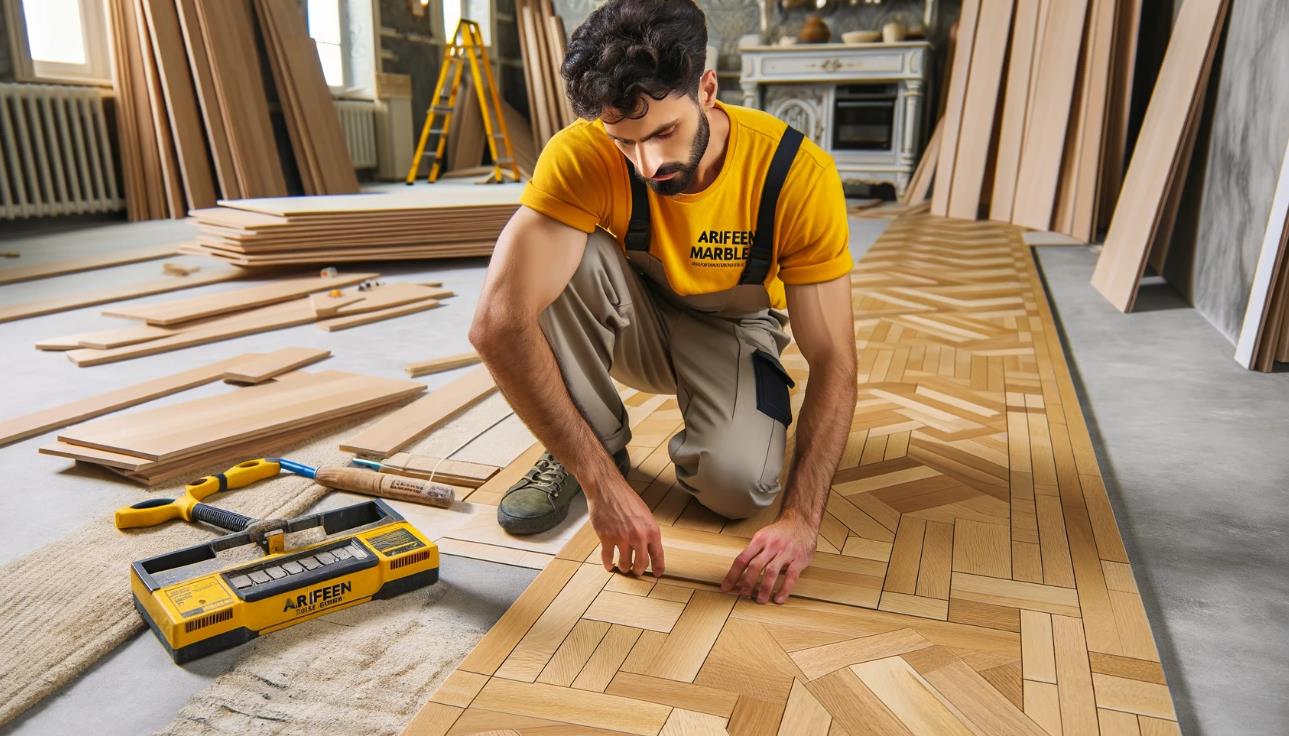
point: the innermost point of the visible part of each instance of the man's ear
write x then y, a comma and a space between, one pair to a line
707, 88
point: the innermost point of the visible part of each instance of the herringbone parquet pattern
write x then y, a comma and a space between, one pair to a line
969, 577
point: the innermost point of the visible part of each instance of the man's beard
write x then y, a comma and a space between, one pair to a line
688, 170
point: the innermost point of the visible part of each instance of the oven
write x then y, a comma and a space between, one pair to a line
864, 117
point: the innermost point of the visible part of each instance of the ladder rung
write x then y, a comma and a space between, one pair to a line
504, 162
438, 131
444, 108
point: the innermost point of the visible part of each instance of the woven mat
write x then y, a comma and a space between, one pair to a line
363, 670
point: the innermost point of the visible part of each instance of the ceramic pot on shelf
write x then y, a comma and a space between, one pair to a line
814, 31
893, 32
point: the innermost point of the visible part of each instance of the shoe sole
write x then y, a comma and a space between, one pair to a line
523, 526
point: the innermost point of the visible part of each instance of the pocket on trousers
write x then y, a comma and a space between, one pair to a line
772, 384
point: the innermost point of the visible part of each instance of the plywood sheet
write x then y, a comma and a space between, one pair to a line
1043, 150
1146, 185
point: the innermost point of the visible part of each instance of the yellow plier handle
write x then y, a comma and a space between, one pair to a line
188, 507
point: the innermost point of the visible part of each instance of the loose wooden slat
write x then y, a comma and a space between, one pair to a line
955, 99
105, 339
1021, 69
64, 415
229, 37
272, 317
76, 300
967, 177
250, 411
436, 365
15, 274
452, 472
262, 368
414, 421
1041, 156
208, 99
180, 102
279, 290
309, 109
1182, 78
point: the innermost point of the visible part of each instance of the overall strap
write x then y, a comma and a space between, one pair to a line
637, 237
759, 257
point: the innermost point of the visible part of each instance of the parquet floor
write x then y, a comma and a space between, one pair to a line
969, 579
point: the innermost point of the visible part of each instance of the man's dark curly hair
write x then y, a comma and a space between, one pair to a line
629, 48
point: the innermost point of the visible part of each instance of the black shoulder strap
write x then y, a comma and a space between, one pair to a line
758, 259
637, 237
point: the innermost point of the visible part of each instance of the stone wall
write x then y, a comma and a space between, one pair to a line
1233, 174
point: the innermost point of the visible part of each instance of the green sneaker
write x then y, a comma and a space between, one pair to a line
540, 499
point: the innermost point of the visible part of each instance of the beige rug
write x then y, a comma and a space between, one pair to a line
363, 670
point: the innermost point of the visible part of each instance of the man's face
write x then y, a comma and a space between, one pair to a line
665, 145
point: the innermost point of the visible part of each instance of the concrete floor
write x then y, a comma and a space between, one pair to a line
1188, 442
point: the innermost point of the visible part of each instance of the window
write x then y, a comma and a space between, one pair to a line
478, 11
325, 25
59, 40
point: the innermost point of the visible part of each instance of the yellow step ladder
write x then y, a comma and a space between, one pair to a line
466, 45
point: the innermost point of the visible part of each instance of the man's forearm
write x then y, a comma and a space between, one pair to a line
536, 391
822, 429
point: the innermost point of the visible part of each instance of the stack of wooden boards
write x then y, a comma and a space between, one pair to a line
1049, 84
466, 143
419, 222
194, 114
285, 302
542, 41
157, 445
1035, 125
1264, 336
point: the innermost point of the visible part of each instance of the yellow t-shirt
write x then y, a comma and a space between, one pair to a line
581, 179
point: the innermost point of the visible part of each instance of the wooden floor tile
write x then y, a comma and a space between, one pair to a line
969, 575
572, 706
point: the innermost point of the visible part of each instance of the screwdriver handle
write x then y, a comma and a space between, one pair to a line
385, 485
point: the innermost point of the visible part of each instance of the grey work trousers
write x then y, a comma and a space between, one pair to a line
610, 322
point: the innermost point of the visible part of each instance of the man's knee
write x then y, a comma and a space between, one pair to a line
733, 484
601, 261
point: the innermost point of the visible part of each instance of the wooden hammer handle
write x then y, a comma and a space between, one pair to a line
384, 485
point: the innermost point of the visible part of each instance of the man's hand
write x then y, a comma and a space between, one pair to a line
785, 548
623, 522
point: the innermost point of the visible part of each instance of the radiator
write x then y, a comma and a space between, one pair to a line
55, 155
358, 119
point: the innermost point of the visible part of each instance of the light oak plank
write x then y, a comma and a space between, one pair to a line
264, 367
815, 662
608, 657
580, 707
1073, 677
573, 653
1133, 696
685, 695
